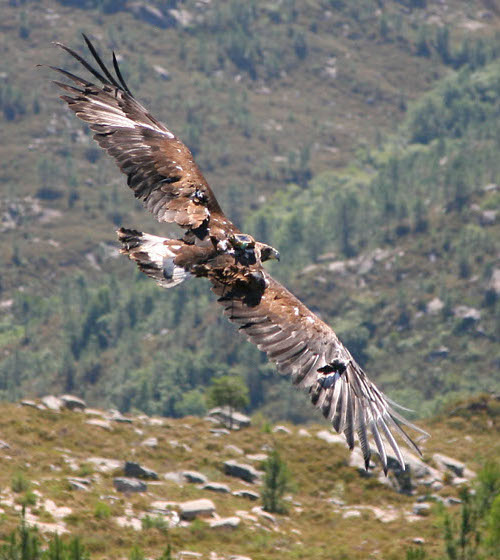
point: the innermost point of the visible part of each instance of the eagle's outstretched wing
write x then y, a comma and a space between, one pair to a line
160, 168
302, 345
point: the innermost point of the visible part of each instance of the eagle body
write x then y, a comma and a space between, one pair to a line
162, 173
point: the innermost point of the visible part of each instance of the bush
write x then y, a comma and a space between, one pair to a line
276, 483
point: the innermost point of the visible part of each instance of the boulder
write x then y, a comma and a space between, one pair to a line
247, 494
4, 444
230, 418
138, 471
303, 433
216, 487
241, 470
197, 508
123, 484
162, 72
234, 449
104, 465
194, 476
434, 306
73, 403
117, 416
421, 509
225, 523
174, 476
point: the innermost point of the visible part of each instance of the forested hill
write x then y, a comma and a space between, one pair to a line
360, 138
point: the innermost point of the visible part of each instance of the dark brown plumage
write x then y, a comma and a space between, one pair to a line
162, 173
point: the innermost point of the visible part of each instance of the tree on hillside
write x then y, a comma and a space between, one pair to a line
276, 483
228, 391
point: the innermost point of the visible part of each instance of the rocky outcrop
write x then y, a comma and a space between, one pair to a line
230, 418
73, 403
195, 477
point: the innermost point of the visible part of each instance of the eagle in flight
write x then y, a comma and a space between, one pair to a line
161, 172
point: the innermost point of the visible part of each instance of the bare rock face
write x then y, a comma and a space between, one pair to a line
240, 470
197, 508
123, 484
138, 471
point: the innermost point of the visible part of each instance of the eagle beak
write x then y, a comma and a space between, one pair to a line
275, 255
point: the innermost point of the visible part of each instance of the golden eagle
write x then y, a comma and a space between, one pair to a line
162, 173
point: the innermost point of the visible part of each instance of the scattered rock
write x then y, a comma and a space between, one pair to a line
418, 540
162, 72
260, 457
216, 487
150, 442
123, 484
117, 416
451, 501
494, 283
240, 470
350, 513
469, 314
56, 512
137, 471
438, 354
194, 476
421, 509
52, 402
356, 460
234, 449
488, 217
434, 306
304, 433
281, 430
181, 16
219, 431
104, 465
4, 445
78, 483
247, 494
72, 402
225, 523
230, 418
264, 514
150, 14
104, 424
29, 403
197, 508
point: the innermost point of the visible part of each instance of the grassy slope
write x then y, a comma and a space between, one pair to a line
40, 442
245, 136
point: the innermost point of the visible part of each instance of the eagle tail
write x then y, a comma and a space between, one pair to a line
155, 256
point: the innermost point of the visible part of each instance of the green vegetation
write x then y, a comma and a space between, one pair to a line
329, 129
276, 483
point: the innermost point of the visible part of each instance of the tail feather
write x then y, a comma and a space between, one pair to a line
154, 256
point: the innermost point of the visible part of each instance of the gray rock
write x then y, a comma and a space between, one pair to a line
104, 465
260, 457
151, 442
234, 449
162, 72
240, 470
421, 509
117, 416
488, 217
230, 418
451, 501
247, 494
138, 471
52, 402
447, 463
438, 354
470, 314
434, 306
240, 558
225, 523
123, 484
281, 430
303, 433
219, 431
196, 508
104, 424
216, 487
150, 14
356, 460
73, 403
419, 540
4, 444
194, 476
182, 17
31, 404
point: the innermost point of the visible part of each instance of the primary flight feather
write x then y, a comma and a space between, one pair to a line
162, 173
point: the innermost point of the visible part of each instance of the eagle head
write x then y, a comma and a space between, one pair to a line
267, 252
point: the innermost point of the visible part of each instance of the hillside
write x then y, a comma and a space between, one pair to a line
359, 139
67, 467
